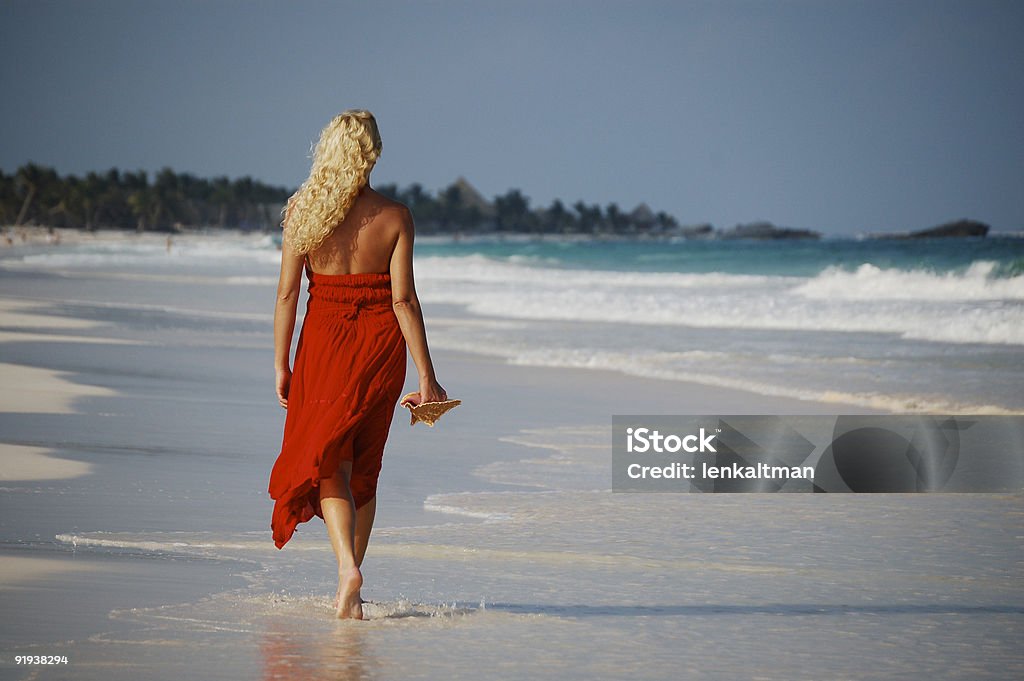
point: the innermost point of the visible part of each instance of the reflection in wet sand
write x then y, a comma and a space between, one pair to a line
292, 652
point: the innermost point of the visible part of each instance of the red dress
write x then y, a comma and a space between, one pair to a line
348, 376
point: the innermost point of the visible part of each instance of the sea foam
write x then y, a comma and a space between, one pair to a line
967, 307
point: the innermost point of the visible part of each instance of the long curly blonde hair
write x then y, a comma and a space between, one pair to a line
348, 148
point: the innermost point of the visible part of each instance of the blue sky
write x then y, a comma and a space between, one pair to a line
838, 116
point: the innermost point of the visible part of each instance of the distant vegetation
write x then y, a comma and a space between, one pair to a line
130, 200
173, 202
460, 207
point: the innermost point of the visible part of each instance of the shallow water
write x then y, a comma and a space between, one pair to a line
584, 583
578, 582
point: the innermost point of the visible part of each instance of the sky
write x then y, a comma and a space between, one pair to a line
840, 116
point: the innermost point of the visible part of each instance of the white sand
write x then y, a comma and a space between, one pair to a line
14, 318
12, 314
31, 390
34, 390
22, 336
35, 234
17, 570
21, 462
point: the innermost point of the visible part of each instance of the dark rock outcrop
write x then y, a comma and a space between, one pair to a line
701, 231
766, 230
957, 228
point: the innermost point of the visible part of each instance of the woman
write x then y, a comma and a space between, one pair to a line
356, 248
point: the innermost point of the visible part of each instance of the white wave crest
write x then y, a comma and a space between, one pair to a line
130, 249
715, 370
970, 307
869, 282
434, 503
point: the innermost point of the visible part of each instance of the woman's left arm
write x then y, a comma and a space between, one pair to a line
284, 317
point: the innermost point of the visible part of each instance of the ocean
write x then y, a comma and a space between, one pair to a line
907, 326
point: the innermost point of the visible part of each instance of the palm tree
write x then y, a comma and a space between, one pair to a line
167, 198
589, 216
244, 191
617, 220
223, 197
9, 201
452, 208
426, 209
141, 198
94, 188
34, 181
558, 219
511, 211
72, 206
666, 221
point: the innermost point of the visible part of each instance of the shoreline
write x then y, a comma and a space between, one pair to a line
645, 395
40, 235
40, 575
55, 393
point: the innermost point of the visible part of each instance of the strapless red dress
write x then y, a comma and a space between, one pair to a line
347, 378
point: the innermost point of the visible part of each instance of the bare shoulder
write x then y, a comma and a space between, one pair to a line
391, 208
394, 213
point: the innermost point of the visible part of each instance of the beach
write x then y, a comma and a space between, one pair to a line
140, 427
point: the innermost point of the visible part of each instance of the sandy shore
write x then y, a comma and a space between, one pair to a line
499, 400
497, 536
35, 235
39, 390
52, 593
16, 570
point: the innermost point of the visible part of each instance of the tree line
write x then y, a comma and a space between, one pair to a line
459, 207
170, 201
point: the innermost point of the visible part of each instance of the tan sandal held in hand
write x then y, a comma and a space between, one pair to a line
428, 412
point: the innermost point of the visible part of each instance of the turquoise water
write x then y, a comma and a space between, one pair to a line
781, 257
929, 325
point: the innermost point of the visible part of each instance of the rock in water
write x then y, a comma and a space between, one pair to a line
963, 227
957, 228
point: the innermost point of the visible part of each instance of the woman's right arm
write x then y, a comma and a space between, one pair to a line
284, 317
410, 316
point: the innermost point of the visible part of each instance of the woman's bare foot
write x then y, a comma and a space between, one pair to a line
348, 603
337, 597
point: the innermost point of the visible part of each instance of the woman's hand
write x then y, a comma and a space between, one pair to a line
284, 380
431, 391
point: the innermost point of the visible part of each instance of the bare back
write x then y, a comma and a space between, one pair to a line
376, 236
364, 240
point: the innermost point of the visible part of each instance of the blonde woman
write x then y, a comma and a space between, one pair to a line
356, 247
